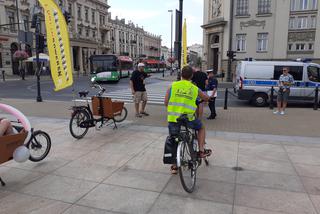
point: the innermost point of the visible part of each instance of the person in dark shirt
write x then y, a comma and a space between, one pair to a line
138, 89
199, 79
212, 88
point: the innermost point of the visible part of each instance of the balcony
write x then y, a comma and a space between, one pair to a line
104, 27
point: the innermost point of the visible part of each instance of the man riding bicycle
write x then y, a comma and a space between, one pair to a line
181, 98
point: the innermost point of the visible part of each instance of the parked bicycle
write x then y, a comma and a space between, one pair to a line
104, 112
188, 155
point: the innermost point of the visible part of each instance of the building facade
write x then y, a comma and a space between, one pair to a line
197, 48
262, 30
92, 31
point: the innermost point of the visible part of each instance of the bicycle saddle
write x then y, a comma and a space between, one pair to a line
183, 119
83, 93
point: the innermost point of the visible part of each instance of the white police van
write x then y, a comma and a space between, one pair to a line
254, 80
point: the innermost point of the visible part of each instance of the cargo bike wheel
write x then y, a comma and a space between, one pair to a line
76, 127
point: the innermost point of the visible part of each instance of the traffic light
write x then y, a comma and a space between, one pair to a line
67, 16
231, 54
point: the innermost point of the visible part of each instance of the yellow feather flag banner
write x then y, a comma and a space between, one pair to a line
184, 45
58, 45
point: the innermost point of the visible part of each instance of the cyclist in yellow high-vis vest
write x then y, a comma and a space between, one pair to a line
181, 98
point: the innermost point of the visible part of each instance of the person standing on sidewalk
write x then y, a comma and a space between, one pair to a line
212, 88
199, 79
285, 82
138, 89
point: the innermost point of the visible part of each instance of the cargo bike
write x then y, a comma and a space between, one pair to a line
104, 112
36, 143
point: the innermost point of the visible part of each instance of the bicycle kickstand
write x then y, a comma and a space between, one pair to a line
2, 182
115, 125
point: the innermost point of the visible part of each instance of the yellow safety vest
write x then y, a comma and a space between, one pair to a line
182, 100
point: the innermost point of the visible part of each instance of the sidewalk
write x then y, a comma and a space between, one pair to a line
297, 122
121, 171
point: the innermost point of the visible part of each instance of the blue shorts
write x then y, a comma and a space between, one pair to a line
174, 128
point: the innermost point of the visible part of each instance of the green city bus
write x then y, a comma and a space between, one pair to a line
153, 65
109, 67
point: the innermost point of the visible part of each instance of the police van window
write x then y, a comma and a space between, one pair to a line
314, 74
295, 71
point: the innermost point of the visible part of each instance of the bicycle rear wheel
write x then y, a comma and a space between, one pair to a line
39, 146
122, 116
186, 167
74, 126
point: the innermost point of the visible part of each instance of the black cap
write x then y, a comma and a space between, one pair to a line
209, 71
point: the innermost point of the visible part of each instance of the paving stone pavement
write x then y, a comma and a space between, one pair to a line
121, 171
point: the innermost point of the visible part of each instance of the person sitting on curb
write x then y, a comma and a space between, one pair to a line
5, 127
181, 98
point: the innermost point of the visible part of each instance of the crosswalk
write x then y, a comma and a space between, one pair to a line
156, 98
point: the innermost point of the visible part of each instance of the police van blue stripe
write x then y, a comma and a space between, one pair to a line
253, 82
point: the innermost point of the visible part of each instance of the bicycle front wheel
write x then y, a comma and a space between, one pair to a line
74, 126
39, 146
122, 116
186, 167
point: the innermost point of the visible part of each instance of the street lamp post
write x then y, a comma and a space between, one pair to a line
171, 11
36, 25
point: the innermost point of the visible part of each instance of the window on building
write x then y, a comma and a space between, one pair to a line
11, 21
293, 5
303, 4
94, 34
300, 47
80, 31
93, 16
26, 22
314, 4
87, 33
242, 7
79, 11
241, 42
292, 23
314, 74
264, 6
302, 22
310, 46
262, 42
313, 22
86, 14
70, 9
290, 46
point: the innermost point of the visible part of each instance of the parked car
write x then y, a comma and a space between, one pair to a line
254, 80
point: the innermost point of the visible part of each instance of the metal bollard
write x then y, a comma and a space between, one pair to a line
316, 99
226, 99
3, 77
271, 97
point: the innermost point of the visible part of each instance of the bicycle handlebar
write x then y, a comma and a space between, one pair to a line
101, 89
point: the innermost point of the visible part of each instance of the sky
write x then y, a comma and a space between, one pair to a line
153, 15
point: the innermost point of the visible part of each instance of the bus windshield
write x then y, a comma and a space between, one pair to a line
126, 65
103, 63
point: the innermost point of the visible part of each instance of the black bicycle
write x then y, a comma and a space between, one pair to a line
103, 108
188, 155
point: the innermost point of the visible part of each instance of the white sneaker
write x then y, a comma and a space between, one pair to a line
282, 113
276, 112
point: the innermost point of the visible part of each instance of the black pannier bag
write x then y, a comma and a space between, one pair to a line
170, 151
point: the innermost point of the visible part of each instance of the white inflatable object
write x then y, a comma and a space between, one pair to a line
21, 118
21, 154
